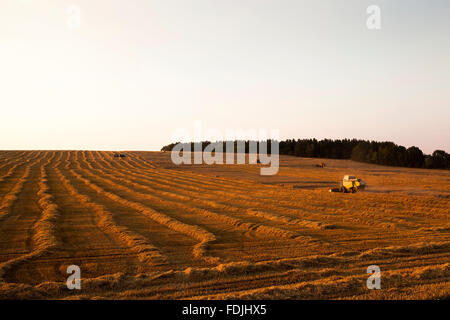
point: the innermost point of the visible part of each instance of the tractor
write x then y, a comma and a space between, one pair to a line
350, 184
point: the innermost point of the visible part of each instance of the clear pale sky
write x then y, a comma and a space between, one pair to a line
136, 71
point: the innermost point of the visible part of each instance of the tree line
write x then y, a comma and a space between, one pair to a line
383, 153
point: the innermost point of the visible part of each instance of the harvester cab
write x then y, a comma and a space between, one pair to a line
350, 184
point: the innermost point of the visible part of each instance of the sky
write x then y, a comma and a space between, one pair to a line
133, 72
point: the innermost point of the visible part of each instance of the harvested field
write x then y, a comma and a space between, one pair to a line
140, 227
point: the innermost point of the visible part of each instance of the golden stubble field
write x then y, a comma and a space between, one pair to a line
140, 227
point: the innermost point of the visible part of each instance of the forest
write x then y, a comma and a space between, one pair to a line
383, 153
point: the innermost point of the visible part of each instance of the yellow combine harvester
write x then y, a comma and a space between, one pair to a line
350, 184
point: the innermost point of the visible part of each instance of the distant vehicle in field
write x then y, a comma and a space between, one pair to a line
119, 155
350, 184
320, 165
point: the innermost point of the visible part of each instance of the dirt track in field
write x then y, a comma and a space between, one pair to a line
141, 227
